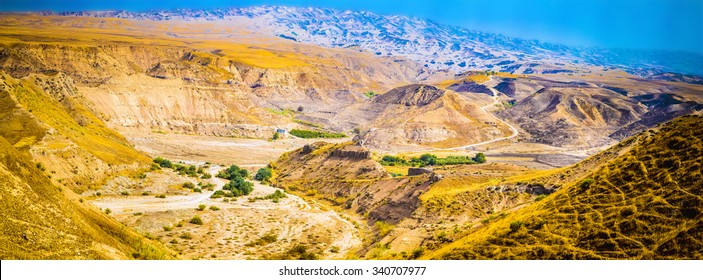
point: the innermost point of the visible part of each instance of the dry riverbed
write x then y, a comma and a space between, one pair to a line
232, 228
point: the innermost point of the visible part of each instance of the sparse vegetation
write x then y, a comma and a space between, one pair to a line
162, 162
315, 134
264, 174
201, 207
196, 220
431, 160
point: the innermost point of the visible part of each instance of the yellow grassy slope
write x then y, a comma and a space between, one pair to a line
644, 204
71, 119
39, 220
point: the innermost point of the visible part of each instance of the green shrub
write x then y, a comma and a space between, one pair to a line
167, 228
186, 235
162, 162
264, 174
161, 196
206, 176
480, 158
515, 226
233, 172
108, 211
238, 186
201, 207
196, 220
188, 185
198, 190
418, 252
214, 208
125, 193
276, 136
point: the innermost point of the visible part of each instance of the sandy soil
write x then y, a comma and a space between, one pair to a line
232, 229
220, 150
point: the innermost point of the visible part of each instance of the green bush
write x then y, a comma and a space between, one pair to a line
125, 193
201, 207
417, 253
276, 136
264, 174
196, 220
480, 158
214, 208
188, 185
238, 186
162, 162
206, 176
233, 172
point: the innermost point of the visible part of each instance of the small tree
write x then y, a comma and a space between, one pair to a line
264, 174
480, 158
276, 135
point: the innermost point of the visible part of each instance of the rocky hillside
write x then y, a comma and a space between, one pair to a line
643, 204
49, 117
226, 88
425, 115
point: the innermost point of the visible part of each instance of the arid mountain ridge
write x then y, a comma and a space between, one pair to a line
437, 46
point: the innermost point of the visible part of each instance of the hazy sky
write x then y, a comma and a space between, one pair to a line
633, 24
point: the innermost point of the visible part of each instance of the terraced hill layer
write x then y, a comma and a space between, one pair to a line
644, 204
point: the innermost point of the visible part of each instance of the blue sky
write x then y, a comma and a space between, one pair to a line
631, 24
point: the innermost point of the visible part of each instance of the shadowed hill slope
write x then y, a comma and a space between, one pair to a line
644, 204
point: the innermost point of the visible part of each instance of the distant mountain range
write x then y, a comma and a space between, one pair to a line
437, 46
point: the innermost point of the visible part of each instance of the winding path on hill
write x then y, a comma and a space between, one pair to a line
485, 109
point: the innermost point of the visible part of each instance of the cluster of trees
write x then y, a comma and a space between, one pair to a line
233, 172
238, 185
190, 170
315, 134
430, 160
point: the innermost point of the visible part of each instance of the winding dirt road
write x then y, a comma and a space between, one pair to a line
485, 109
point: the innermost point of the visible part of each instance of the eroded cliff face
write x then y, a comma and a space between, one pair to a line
196, 91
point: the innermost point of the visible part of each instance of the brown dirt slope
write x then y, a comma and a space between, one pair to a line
644, 204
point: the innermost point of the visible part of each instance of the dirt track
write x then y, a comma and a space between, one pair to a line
292, 220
